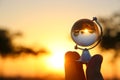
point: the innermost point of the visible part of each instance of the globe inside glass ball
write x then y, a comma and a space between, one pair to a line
85, 32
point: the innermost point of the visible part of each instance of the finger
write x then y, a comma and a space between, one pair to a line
93, 68
73, 68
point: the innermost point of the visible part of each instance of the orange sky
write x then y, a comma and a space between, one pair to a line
47, 23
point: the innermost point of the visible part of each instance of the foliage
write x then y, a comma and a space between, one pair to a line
8, 48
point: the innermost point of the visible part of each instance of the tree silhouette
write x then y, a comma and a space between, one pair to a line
5, 42
8, 48
111, 38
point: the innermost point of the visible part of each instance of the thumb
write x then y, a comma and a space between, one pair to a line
73, 68
93, 68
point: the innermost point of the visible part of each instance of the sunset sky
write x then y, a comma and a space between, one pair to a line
47, 23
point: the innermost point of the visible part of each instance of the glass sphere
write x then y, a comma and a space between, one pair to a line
85, 32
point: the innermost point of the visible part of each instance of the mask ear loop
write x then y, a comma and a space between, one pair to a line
94, 19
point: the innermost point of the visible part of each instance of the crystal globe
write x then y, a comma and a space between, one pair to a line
85, 32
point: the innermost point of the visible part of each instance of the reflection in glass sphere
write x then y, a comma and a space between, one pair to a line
85, 32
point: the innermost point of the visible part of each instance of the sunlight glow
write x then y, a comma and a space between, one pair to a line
47, 23
56, 59
86, 31
56, 62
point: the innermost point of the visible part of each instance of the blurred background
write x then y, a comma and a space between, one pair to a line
35, 35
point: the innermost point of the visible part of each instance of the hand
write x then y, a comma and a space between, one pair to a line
74, 69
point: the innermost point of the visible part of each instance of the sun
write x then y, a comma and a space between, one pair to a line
85, 31
55, 61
